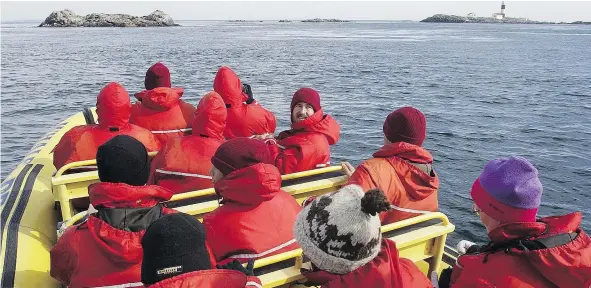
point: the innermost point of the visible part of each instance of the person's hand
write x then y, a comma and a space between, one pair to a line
348, 168
463, 246
235, 265
248, 91
263, 136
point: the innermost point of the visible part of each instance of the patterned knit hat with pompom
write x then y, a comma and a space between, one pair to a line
340, 231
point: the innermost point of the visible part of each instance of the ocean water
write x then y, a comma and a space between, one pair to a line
487, 90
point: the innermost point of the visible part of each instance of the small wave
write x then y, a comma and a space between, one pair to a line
447, 134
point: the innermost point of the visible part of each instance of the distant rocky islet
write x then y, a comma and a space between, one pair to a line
443, 18
67, 18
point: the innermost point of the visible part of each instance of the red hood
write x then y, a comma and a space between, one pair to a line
405, 151
205, 278
210, 116
118, 246
113, 106
383, 271
140, 95
227, 84
416, 183
162, 98
119, 195
318, 123
544, 226
251, 185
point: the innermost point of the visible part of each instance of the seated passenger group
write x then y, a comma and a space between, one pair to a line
228, 143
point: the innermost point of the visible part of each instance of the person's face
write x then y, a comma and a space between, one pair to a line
386, 141
488, 222
301, 111
216, 175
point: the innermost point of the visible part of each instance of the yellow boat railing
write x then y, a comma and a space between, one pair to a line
73, 186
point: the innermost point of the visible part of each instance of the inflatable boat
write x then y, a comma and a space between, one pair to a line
36, 208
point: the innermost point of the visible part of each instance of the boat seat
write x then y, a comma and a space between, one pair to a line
420, 239
301, 185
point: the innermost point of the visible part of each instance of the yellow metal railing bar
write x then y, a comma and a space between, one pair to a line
62, 195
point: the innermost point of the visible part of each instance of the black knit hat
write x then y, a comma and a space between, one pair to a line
123, 159
173, 245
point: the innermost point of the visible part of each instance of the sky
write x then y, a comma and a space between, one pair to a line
246, 10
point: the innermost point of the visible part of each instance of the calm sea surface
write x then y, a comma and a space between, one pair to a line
487, 90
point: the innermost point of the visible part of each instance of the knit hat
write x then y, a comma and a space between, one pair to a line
508, 190
307, 95
123, 159
340, 231
157, 76
173, 245
239, 153
406, 124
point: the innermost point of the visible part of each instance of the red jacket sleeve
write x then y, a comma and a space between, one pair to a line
271, 122
63, 256
286, 158
363, 178
253, 282
65, 151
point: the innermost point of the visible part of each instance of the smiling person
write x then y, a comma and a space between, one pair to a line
307, 144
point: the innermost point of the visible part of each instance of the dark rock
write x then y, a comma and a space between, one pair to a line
67, 18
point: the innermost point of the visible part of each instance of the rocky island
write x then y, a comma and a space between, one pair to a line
442, 18
67, 18
318, 20
500, 17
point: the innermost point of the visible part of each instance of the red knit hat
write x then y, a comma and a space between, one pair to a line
406, 124
239, 153
307, 95
157, 76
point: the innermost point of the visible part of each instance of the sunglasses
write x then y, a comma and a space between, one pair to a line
476, 210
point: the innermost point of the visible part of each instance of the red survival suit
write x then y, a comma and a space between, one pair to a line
510, 263
106, 249
386, 270
307, 145
244, 120
183, 164
113, 109
257, 217
163, 113
404, 172
210, 278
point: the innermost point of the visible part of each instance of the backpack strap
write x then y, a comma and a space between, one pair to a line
550, 242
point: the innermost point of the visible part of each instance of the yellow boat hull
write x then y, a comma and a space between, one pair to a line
28, 218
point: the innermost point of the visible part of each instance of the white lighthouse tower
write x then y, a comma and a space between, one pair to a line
500, 16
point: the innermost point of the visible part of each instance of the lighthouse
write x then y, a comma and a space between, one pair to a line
500, 16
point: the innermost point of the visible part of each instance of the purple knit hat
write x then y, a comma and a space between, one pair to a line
508, 190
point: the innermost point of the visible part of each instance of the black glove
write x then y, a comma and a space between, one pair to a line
235, 265
445, 278
248, 91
